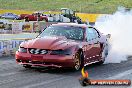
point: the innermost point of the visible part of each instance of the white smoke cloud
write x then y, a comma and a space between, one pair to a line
119, 25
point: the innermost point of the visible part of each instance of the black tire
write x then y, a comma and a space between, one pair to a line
82, 60
100, 62
104, 54
27, 66
79, 60
2, 18
26, 19
15, 18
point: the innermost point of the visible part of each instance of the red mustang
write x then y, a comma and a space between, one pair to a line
68, 45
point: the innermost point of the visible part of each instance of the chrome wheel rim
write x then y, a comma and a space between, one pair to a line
77, 61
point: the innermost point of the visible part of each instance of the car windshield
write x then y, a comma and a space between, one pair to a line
70, 32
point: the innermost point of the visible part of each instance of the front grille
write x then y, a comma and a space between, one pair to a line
38, 51
45, 63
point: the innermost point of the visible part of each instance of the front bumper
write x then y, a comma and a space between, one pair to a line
45, 60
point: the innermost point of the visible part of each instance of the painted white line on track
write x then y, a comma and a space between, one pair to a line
8, 61
121, 74
8, 74
42, 83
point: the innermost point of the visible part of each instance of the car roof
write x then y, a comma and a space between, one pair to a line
71, 24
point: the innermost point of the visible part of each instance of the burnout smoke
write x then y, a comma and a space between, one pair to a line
119, 25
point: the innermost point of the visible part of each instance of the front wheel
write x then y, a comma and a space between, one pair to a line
15, 18
78, 60
26, 19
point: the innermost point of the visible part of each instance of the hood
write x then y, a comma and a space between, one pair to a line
52, 43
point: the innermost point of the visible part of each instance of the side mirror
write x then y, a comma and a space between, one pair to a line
99, 36
89, 41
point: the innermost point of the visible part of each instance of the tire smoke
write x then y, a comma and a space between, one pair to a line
119, 25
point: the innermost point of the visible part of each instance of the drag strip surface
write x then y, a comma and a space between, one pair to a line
15, 76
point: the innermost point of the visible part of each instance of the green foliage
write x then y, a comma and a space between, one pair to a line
88, 6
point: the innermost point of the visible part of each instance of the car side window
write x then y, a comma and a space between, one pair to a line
91, 34
96, 33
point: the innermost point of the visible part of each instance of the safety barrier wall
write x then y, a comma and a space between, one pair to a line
8, 47
9, 43
88, 17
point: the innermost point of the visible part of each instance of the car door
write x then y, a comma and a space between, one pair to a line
93, 47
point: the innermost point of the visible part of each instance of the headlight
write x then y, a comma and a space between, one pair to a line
22, 50
61, 52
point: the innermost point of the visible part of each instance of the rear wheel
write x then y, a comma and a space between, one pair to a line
27, 66
104, 54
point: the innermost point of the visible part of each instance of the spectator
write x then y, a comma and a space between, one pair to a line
79, 21
73, 18
38, 16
